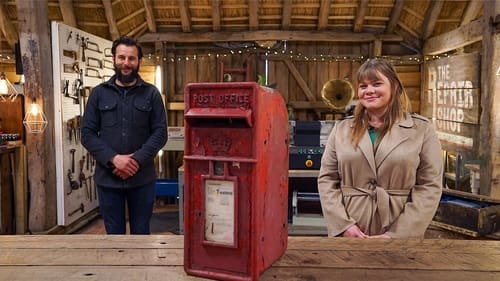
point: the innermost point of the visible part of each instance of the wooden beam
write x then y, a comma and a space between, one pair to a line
150, 16
377, 48
302, 83
130, 16
431, 17
253, 14
324, 36
489, 141
286, 15
110, 18
7, 28
185, 16
216, 15
324, 12
471, 12
300, 80
67, 12
395, 14
360, 15
137, 30
462, 36
35, 43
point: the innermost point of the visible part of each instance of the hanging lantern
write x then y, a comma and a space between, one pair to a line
35, 120
7, 90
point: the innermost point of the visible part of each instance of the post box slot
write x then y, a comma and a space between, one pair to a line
220, 117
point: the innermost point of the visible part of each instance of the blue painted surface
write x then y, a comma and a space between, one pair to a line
167, 187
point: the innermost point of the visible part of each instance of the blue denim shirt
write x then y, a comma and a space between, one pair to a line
124, 121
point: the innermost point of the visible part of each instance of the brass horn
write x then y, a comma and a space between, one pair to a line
337, 93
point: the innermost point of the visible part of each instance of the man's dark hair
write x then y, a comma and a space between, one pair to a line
127, 41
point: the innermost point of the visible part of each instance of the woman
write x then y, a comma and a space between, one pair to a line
381, 172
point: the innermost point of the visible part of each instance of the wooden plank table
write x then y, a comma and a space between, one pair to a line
160, 257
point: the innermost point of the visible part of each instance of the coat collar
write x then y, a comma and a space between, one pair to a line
397, 135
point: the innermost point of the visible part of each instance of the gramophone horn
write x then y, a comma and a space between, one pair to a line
337, 93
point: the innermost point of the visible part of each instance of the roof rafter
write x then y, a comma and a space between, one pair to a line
148, 6
185, 16
324, 12
360, 15
7, 28
253, 14
67, 12
286, 17
395, 14
471, 11
110, 18
431, 17
216, 15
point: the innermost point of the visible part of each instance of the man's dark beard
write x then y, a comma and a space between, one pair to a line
126, 79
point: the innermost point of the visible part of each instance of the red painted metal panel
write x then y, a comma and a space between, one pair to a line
236, 180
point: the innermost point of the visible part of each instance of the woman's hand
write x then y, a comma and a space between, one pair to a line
354, 232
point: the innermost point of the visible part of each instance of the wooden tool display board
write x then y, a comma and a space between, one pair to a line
81, 61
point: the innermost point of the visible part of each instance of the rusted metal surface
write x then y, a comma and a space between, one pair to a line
236, 145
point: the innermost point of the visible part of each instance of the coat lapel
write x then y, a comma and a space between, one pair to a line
397, 135
366, 147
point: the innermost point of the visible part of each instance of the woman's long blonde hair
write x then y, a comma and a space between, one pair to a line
399, 104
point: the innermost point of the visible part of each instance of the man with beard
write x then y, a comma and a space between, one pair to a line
123, 128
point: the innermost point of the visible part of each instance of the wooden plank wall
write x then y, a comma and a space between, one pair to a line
301, 69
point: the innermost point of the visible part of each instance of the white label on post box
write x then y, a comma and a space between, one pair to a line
219, 211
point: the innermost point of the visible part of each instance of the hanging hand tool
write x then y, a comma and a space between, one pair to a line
83, 178
107, 52
70, 126
108, 64
78, 122
94, 62
93, 46
71, 54
65, 90
72, 151
87, 165
81, 208
75, 95
92, 72
84, 47
70, 34
72, 184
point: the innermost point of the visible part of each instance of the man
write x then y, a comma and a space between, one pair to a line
123, 128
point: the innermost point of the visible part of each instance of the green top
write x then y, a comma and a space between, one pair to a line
373, 134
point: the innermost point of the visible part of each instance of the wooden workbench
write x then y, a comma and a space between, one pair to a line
160, 257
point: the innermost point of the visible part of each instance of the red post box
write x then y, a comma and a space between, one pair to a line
236, 179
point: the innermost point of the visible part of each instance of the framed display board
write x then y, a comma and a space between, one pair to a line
81, 61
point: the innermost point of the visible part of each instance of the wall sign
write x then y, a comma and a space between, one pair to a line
451, 98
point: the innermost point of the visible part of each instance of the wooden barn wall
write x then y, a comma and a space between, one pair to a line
309, 67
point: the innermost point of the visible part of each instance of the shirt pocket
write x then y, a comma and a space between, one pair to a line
142, 111
108, 110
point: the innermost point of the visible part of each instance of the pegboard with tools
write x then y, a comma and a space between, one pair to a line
81, 61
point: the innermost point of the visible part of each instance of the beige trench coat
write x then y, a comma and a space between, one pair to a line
394, 191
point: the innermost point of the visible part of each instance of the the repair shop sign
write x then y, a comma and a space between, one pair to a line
452, 96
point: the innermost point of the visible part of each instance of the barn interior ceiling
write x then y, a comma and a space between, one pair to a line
261, 22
